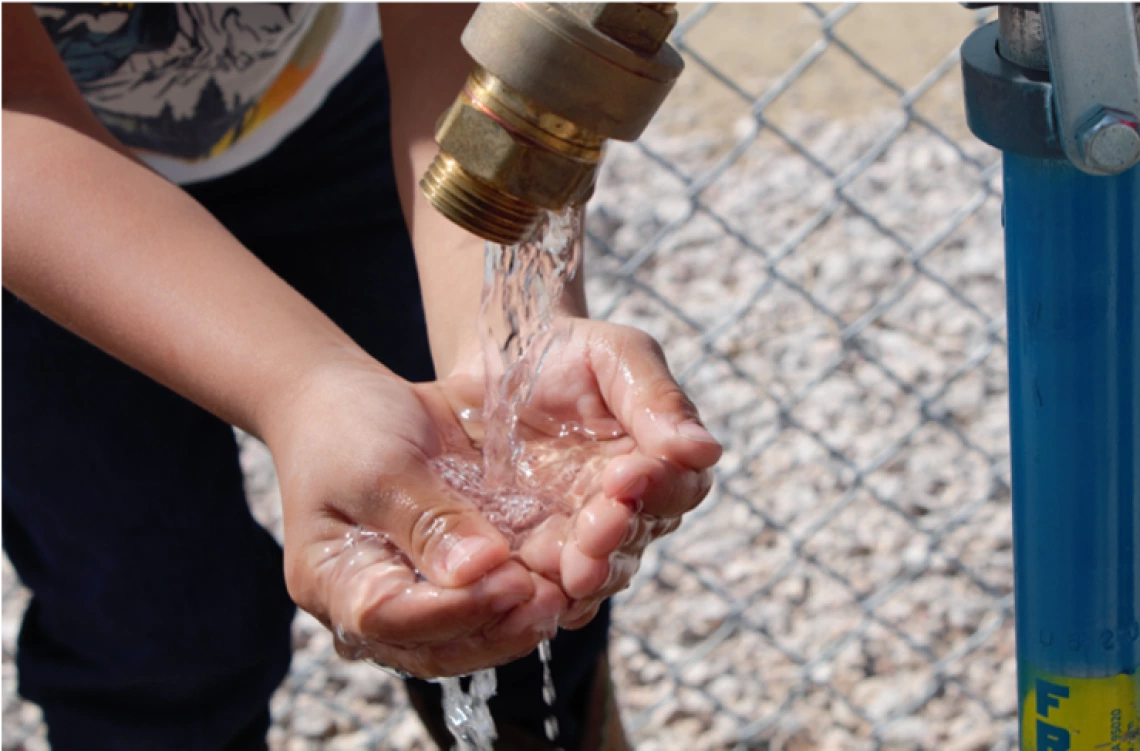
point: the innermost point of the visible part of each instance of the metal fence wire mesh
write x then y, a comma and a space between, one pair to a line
814, 236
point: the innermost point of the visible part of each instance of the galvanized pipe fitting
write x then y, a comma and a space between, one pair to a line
1091, 73
553, 82
1021, 36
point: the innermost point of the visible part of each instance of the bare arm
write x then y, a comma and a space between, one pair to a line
426, 69
118, 255
128, 261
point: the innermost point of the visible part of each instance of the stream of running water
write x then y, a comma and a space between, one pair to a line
516, 484
526, 465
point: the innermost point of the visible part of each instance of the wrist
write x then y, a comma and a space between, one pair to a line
327, 374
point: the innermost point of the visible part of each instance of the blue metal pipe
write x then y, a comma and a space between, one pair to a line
1073, 297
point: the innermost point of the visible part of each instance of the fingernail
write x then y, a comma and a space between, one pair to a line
508, 600
464, 551
696, 432
634, 489
633, 504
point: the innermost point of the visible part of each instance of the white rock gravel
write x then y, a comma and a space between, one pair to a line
847, 585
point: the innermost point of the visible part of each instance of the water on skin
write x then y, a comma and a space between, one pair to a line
515, 484
519, 473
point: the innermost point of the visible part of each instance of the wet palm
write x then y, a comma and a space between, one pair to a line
414, 576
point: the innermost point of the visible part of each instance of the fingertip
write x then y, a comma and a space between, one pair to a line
539, 615
541, 551
604, 523
508, 586
633, 478
467, 559
627, 476
694, 431
550, 595
693, 446
582, 575
677, 438
579, 616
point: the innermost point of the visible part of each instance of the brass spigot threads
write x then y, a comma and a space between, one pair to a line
501, 154
476, 205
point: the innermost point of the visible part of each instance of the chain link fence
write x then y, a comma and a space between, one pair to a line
829, 288
815, 237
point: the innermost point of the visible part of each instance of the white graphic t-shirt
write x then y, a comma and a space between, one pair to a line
202, 89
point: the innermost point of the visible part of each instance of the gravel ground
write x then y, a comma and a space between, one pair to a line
848, 583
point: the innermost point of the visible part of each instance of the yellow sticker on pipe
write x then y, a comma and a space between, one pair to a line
1081, 714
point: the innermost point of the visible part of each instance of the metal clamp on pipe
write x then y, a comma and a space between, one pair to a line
553, 82
1058, 80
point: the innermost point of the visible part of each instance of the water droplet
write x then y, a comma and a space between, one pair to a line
551, 726
545, 654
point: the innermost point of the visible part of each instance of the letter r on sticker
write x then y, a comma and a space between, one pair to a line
1048, 696
1051, 738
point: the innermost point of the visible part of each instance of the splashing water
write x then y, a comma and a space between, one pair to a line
522, 467
517, 483
466, 713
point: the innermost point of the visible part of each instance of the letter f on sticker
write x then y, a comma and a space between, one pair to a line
1049, 696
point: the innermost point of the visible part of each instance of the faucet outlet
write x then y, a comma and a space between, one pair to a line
552, 82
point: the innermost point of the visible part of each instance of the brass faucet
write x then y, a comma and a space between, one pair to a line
552, 82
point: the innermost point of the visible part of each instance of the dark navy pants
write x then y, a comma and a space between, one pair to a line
159, 617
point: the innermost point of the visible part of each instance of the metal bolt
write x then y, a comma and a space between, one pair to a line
1110, 141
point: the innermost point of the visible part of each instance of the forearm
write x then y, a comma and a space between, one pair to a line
427, 67
128, 261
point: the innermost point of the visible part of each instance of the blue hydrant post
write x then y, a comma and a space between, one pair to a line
1073, 296
1073, 286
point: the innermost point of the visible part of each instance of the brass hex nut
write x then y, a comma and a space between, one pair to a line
640, 26
520, 168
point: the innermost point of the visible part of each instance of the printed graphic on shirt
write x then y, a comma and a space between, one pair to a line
187, 79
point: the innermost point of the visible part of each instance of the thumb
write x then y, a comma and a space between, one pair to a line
635, 381
447, 539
